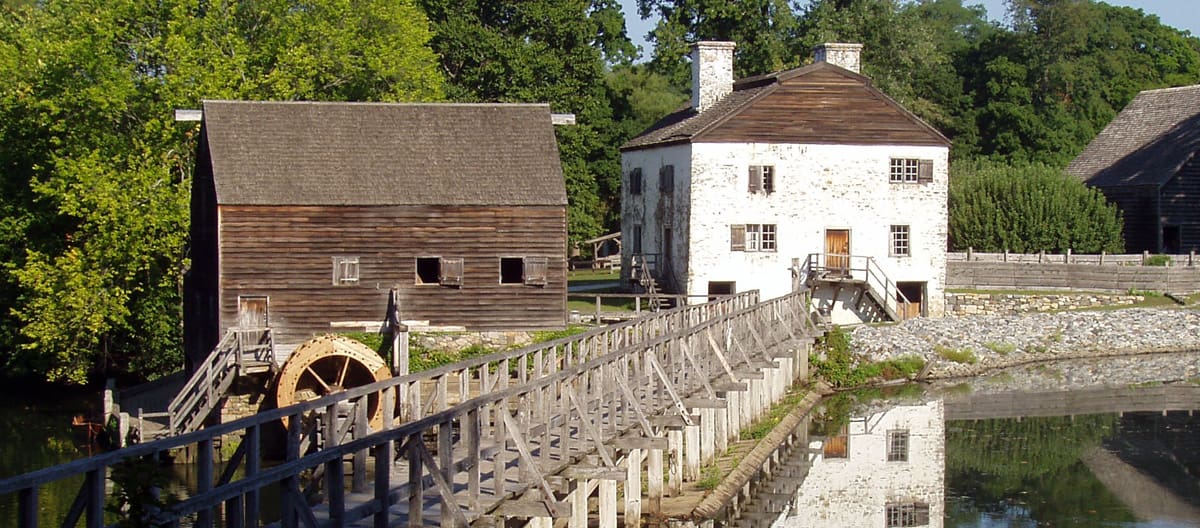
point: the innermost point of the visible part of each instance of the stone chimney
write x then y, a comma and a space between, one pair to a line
712, 73
847, 56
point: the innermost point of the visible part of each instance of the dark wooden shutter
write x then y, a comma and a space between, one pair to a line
756, 178
666, 179
925, 171
921, 512
737, 237
635, 181
451, 273
535, 270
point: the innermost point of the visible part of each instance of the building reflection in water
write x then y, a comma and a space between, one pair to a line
882, 469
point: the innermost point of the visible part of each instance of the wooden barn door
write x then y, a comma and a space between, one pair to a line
837, 249
252, 312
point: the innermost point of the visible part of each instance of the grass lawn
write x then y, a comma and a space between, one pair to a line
606, 305
592, 276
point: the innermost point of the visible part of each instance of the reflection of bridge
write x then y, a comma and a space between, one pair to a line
529, 434
1077, 402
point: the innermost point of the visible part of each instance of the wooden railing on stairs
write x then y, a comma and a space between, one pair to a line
240, 351
859, 270
647, 271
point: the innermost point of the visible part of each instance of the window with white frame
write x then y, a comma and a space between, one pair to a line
345, 271
897, 445
910, 170
762, 179
905, 515
901, 245
752, 237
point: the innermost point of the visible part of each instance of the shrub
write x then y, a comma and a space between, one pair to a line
1003, 349
956, 355
1028, 208
1158, 260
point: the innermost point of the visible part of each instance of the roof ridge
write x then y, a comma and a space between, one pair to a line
374, 103
1173, 89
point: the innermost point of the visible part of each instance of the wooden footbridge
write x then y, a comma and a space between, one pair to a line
533, 436
1102, 400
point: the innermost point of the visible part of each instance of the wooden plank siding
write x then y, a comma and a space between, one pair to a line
824, 106
1181, 205
286, 252
1137, 205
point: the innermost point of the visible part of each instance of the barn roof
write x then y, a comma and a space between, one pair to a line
1147, 143
836, 106
320, 153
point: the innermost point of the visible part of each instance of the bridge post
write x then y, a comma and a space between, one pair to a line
633, 489
608, 503
721, 424
708, 441
691, 451
654, 480
675, 465
579, 503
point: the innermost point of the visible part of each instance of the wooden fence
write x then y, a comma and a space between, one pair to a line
1077, 402
481, 439
1110, 273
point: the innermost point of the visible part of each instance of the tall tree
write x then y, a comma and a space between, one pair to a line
543, 51
100, 174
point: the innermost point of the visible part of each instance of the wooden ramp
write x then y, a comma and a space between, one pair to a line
534, 434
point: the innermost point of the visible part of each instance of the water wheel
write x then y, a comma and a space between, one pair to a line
328, 364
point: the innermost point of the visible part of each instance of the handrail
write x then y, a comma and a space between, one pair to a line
869, 272
214, 375
770, 321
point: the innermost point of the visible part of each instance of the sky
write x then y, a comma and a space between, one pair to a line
1181, 14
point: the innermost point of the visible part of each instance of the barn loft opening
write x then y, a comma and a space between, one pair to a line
427, 270
512, 270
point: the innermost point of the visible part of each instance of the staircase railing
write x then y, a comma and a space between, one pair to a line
215, 375
863, 269
644, 274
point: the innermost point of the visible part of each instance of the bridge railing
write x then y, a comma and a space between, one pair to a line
589, 390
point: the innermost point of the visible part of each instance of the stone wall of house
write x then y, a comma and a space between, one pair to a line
1011, 303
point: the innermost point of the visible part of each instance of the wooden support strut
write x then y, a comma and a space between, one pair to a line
670, 388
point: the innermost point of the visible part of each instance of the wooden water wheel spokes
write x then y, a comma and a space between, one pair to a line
328, 364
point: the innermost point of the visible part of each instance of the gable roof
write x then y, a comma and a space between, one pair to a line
318, 153
836, 106
1147, 143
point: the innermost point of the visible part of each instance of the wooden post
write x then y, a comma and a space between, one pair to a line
579, 504
970, 253
1102, 253
633, 489
597, 310
1067, 260
608, 503
1145, 256
691, 453
654, 480
1006, 255
1191, 258
675, 464
400, 350
708, 430
721, 430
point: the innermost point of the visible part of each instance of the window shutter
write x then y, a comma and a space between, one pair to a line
535, 270
635, 181
737, 237
922, 514
756, 178
925, 171
451, 273
666, 179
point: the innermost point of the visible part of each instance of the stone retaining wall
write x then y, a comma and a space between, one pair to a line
455, 341
1004, 303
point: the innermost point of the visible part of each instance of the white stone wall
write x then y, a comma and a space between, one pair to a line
817, 187
653, 209
855, 490
712, 73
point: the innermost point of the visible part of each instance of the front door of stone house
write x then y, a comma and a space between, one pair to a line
837, 250
252, 311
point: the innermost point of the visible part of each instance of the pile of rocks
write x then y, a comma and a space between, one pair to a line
1001, 341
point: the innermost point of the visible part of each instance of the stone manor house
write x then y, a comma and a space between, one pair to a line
806, 176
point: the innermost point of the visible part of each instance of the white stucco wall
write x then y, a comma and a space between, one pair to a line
855, 490
817, 187
654, 209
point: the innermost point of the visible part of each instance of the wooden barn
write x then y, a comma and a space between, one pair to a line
305, 215
1145, 162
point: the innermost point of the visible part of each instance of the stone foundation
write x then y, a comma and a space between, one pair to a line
1011, 303
455, 341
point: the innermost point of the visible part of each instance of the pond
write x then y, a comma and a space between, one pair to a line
910, 458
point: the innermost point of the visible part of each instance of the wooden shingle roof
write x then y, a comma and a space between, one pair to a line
818, 103
1147, 143
318, 153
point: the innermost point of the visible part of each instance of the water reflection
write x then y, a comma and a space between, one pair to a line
889, 460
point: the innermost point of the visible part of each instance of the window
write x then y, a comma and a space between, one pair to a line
906, 170
526, 270
345, 271
897, 445
752, 237
762, 179
666, 179
900, 246
438, 270
635, 182
637, 239
911, 514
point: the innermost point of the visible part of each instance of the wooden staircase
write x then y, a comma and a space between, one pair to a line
870, 290
644, 271
240, 352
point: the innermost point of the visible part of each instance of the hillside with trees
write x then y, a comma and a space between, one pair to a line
95, 173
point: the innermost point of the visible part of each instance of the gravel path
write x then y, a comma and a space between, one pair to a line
1117, 347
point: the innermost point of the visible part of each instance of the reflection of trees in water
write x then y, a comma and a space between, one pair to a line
1029, 470
836, 410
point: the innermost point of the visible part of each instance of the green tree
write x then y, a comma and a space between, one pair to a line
98, 174
1028, 208
544, 51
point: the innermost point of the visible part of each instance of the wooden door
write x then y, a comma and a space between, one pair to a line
837, 249
252, 312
